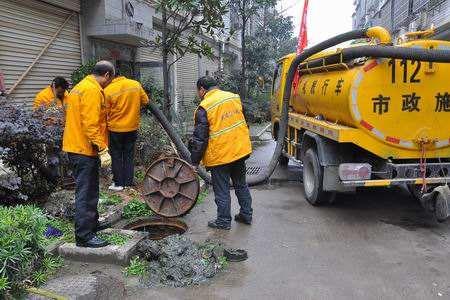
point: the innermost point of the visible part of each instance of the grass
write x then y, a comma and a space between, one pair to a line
137, 267
136, 208
202, 196
50, 264
66, 227
115, 238
139, 176
106, 200
223, 262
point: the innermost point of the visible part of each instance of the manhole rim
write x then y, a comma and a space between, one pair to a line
157, 221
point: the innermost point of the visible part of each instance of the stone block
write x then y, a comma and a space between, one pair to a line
112, 254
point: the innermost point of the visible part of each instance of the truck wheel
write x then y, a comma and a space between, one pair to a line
313, 180
283, 160
416, 191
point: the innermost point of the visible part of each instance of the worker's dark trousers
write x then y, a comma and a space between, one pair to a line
86, 172
121, 148
221, 185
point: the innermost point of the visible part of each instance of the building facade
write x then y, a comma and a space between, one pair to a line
401, 16
43, 39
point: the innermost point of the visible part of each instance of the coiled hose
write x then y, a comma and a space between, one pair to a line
362, 51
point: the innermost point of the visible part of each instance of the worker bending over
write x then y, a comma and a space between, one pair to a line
221, 140
124, 100
85, 141
55, 93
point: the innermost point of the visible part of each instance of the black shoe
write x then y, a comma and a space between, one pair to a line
103, 225
241, 219
213, 224
94, 242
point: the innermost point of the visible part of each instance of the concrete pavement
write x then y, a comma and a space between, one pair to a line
378, 244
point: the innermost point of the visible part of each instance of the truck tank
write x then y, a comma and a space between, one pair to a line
403, 103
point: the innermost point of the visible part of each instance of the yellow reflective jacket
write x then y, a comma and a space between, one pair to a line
85, 119
46, 97
124, 99
229, 137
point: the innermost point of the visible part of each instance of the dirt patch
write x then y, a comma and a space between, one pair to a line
177, 261
61, 204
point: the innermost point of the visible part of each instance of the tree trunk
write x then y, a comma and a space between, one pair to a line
243, 87
165, 54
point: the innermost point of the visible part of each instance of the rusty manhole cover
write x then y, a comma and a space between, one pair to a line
171, 187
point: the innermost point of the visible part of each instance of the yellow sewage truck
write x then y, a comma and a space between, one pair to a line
368, 121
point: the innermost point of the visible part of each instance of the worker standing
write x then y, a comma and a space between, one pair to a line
124, 100
221, 140
85, 141
55, 93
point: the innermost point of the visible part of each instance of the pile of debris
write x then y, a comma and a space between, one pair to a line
177, 261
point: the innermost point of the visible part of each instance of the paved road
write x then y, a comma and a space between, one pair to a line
378, 244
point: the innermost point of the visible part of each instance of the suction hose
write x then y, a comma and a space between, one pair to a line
375, 51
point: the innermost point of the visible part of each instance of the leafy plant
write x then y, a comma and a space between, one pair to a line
202, 196
192, 18
139, 176
115, 238
22, 253
223, 262
82, 71
136, 208
48, 267
110, 199
137, 267
66, 227
27, 142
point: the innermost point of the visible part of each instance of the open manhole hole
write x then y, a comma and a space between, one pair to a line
158, 227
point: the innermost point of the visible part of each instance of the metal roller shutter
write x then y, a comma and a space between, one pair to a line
187, 76
26, 28
150, 64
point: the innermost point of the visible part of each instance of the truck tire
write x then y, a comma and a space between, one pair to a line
313, 180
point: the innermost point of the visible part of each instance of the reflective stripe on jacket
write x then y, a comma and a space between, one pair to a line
229, 137
124, 99
46, 97
85, 131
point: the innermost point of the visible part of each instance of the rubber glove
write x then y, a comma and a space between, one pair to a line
105, 158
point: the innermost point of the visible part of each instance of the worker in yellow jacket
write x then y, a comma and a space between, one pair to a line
85, 140
124, 100
55, 93
221, 140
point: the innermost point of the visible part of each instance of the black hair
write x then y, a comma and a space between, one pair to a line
60, 82
103, 67
206, 82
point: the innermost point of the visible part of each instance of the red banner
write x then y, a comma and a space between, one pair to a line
302, 40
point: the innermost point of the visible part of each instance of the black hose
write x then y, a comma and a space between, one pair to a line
181, 147
418, 54
351, 35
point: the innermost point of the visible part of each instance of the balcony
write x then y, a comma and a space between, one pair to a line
122, 31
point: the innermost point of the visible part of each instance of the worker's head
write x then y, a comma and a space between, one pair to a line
104, 72
60, 86
205, 84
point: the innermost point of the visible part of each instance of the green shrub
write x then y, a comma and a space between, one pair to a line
115, 238
82, 71
151, 141
22, 254
66, 227
135, 209
137, 267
